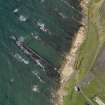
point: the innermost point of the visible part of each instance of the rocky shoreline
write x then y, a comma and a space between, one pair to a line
67, 69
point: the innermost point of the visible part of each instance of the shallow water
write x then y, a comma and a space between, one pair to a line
47, 27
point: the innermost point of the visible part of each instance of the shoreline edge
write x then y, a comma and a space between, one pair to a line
67, 68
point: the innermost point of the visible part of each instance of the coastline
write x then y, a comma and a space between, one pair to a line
67, 69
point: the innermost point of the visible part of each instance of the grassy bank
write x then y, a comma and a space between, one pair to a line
87, 55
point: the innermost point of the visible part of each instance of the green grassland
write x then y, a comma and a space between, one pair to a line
87, 57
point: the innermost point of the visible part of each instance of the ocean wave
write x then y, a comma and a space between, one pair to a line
36, 74
39, 64
20, 58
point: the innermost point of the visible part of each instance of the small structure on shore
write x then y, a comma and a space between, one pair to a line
77, 88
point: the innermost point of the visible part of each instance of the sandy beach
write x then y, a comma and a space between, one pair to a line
67, 68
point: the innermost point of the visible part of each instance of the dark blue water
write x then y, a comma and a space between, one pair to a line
47, 27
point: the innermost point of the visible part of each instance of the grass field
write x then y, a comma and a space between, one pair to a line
87, 58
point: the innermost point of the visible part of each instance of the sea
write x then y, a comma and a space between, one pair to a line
47, 27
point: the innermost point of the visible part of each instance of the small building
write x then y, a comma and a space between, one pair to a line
77, 88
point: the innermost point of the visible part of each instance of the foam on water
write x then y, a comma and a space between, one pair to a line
20, 59
42, 26
42, 1
36, 36
16, 10
36, 74
22, 18
35, 88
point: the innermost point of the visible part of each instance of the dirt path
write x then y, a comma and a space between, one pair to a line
68, 67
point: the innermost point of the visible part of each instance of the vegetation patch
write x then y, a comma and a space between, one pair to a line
86, 60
